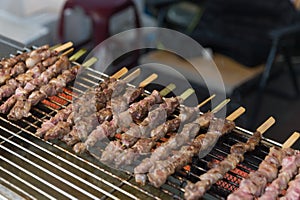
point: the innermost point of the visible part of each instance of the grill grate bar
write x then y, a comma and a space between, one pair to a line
81, 169
54, 175
87, 80
30, 174
24, 193
97, 72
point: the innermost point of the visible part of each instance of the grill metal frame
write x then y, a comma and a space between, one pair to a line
38, 169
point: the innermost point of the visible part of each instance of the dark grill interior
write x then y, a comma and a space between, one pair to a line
37, 169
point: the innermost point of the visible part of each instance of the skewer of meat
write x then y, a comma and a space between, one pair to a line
55, 86
82, 129
189, 131
289, 169
40, 88
98, 100
80, 125
7, 63
83, 126
160, 171
65, 113
254, 185
12, 84
109, 128
123, 120
144, 145
86, 119
197, 190
21, 94
293, 191
32, 58
34, 71
155, 117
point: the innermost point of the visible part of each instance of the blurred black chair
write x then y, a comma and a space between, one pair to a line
246, 38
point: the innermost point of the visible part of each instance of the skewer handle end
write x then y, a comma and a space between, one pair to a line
206, 101
220, 106
120, 73
291, 140
169, 88
90, 62
148, 80
130, 77
266, 125
64, 46
238, 112
66, 53
187, 93
77, 55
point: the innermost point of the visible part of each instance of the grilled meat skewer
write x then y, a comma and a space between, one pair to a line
161, 169
12, 84
65, 113
256, 182
290, 165
189, 131
98, 100
197, 190
82, 128
154, 118
123, 120
237, 151
25, 61
60, 65
22, 79
10, 62
293, 191
55, 85
61, 115
144, 145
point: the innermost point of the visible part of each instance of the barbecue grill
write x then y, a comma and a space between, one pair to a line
32, 168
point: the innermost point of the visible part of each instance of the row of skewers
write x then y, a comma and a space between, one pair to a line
131, 124
44, 73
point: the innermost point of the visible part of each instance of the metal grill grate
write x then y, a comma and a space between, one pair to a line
35, 169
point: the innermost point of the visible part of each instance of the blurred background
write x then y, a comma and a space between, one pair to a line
255, 44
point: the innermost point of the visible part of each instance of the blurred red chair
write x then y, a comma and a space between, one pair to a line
100, 12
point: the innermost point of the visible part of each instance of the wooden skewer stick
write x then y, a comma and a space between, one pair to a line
77, 55
55, 46
167, 89
220, 106
237, 113
66, 53
130, 77
63, 47
120, 73
148, 80
89, 62
266, 125
186, 94
206, 101
291, 140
